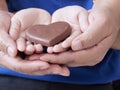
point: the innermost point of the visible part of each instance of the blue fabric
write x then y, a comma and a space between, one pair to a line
103, 72
49, 5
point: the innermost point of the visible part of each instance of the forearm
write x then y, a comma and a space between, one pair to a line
116, 44
3, 5
112, 5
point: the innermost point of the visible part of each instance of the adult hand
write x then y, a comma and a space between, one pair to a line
31, 67
21, 21
102, 27
7, 45
86, 57
91, 46
73, 15
116, 44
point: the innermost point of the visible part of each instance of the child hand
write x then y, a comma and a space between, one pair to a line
76, 16
23, 20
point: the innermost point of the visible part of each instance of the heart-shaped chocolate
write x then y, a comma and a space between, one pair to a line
48, 35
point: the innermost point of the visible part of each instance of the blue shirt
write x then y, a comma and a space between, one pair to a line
104, 72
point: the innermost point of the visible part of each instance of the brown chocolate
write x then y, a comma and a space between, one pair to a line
48, 35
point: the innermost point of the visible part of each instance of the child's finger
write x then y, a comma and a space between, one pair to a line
21, 44
68, 41
38, 48
58, 48
50, 49
30, 49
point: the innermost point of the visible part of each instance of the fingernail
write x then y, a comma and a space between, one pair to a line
10, 51
64, 44
45, 66
43, 59
65, 73
77, 45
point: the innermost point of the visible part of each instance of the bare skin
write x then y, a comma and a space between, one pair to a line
86, 45
9, 49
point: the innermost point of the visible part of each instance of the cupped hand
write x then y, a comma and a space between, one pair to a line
90, 47
24, 19
102, 26
73, 15
31, 67
87, 57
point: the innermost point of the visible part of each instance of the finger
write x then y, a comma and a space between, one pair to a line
50, 49
55, 69
24, 19
15, 28
88, 38
34, 57
26, 66
38, 48
23, 66
88, 57
83, 20
21, 44
67, 43
59, 48
30, 49
33, 65
61, 58
7, 45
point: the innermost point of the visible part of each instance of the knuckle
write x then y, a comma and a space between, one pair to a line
88, 41
83, 43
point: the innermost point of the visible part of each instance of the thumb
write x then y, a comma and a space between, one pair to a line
15, 28
7, 45
83, 20
92, 36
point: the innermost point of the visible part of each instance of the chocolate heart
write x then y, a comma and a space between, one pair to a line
48, 35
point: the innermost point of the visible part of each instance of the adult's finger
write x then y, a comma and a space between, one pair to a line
23, 66
93, 35
54, 69
87, 57
59, 58
7, 45
32, 67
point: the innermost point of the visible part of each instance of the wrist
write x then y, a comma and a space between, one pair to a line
111, 6
3, 5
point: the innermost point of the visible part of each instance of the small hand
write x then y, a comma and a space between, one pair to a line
23, 20
76, 16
